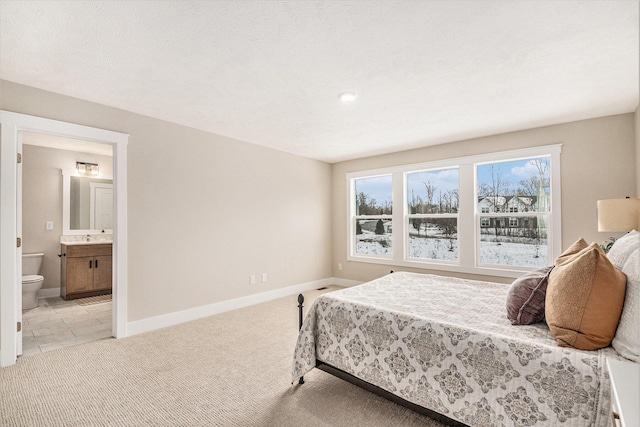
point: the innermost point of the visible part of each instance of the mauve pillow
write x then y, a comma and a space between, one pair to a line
525, 300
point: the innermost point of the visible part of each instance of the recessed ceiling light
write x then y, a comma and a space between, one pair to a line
347, 97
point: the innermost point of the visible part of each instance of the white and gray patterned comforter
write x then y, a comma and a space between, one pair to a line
447, 345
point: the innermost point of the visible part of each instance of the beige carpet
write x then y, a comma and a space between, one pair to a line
232, 369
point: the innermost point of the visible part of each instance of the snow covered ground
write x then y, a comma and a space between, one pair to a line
433, 248
369, 243
517, 254
491, 253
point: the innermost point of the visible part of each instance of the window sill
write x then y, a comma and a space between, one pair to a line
513, 272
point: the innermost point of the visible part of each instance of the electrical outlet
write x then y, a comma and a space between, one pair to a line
252, 278
48, 225
340, 267
264, 277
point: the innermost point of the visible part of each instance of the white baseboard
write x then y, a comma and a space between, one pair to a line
158, 322
49, 293
347, 283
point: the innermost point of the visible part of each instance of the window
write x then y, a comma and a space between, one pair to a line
520, 187
372, 219
433, 203
496, 214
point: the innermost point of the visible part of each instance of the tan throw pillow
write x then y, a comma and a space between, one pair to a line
584, 300
576, 247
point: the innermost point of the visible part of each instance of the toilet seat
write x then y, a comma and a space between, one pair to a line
33, 278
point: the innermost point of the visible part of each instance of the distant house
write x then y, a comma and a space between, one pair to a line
513, 226
504, 204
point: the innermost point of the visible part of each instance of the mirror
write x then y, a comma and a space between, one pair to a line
87, 204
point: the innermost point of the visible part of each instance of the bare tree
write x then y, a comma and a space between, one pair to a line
416, 205
543, 202
497, 191
528, 187
431, 191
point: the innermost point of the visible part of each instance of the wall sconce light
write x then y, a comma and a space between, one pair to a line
84, 168
618, 215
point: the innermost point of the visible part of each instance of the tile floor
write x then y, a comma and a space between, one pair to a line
57, 323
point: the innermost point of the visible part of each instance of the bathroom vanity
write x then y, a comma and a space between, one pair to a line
86, 269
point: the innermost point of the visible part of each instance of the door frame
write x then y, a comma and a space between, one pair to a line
11, 126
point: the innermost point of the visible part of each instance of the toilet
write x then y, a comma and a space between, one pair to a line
31, 280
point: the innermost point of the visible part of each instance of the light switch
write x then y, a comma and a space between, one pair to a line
49, 225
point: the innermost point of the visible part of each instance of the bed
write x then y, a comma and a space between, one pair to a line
445, 345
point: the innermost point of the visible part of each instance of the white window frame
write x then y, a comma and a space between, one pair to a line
468, 214
409, 216
354, 217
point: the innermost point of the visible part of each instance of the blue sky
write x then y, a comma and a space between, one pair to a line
512, 171
380, 188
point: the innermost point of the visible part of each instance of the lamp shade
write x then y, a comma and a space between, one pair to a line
618, 215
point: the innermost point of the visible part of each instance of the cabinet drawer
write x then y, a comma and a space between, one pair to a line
73, 251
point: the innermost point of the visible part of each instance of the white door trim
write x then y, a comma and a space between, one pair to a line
11, 125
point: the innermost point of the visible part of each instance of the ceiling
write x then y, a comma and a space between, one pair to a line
269, 72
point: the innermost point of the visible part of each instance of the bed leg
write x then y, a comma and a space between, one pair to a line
300, 311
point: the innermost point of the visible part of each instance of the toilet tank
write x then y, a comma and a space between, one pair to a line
31, 263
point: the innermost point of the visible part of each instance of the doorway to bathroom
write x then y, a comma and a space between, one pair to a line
13, 128
62, 205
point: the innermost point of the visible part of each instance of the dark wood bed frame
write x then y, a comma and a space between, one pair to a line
373, 388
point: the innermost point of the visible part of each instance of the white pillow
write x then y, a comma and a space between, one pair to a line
627, 338
623, 247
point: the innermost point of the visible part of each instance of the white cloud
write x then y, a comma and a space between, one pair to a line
526, 171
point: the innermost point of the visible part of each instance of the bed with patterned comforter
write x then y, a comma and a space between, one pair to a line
446, 344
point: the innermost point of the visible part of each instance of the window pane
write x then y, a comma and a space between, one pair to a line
518, 242
374, 195
514, 186
373, 237
433, 238
433, 192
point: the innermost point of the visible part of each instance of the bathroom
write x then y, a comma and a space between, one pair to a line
50, 215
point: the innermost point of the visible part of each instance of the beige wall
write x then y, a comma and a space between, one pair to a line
597, 162
637, 133
205, 211
42, 201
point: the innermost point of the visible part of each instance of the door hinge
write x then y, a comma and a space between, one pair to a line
19, 242
19, 158
19, 326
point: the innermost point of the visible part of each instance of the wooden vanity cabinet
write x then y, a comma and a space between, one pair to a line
86, 270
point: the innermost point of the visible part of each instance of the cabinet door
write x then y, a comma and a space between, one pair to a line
102, 272
79, 275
